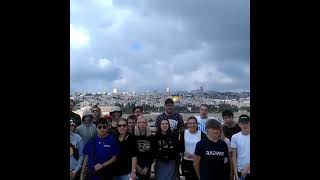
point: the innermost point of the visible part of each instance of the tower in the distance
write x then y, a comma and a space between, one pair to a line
201, 89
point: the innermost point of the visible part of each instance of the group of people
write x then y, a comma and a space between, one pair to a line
115, 148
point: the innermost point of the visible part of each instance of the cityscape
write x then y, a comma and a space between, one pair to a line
186, 102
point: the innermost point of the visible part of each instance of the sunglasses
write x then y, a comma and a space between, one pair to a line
104, 127
122, 125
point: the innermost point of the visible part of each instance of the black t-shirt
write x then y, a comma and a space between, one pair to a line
175, 120
76, 118
212, 166
145, 150
128, 149
229, 132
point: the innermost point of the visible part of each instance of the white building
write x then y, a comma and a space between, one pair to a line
115, 91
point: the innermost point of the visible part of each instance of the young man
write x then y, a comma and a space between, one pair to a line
211, 154
137, 111
100, 153
132, 121
73, 116
87, 129
230, 127
96, 114
175, 119
240, 144
116, 115
203, 118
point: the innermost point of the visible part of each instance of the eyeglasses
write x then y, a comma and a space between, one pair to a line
122, 125
94, 110
104, 127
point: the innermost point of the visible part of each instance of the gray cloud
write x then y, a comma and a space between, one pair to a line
157, 44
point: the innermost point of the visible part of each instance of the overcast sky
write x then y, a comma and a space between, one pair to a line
138, 45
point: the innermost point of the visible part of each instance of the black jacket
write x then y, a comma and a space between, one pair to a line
167, 146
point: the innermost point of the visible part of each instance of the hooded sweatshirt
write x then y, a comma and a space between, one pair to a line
86, 132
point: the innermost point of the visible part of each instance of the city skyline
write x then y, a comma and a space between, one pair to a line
162, 90
145, 45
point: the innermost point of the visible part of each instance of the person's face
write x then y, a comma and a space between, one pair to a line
137, 112
227, 119
245, 127
87, 119
142, 123
192, 124
72, 126
164, 125
122, 127
213, 132
71, 106
116, 115
169, 108
203, 111
131, 123
102, 129
95, 112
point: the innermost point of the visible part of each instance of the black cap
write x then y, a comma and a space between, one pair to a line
244, 118
169, 101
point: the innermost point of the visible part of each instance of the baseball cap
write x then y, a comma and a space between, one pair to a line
244, 118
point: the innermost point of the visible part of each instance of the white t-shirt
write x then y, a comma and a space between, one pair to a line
202, 124
242, 144
190, 142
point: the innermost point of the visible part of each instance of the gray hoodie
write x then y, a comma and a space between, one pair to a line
86, 132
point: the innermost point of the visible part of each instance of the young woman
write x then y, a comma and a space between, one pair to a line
76, 155
188, 140
125, 166
145, 155
167, 152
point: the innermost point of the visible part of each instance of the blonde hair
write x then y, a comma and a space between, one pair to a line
136, 128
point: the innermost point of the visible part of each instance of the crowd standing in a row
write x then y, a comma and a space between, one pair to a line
114, 148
